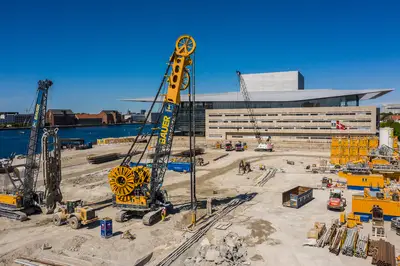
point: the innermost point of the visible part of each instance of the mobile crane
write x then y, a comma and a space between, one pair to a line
137, 190
268, 146
23, 199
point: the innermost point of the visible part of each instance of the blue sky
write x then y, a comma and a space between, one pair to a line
97, 52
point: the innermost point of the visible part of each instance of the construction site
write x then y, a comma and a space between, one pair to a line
161, 199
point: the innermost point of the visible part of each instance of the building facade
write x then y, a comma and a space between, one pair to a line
316, 123
10, 118
278, 99
105, 117
60, 117
390, 108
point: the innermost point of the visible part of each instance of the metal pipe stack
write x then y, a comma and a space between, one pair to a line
327, 237
395, 223
350, 241
337, 240
385, 255
361, 248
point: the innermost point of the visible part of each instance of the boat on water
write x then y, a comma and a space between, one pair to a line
21, 132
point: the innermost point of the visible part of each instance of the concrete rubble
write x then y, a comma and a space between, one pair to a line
231, 251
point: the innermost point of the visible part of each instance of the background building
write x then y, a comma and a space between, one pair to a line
10, 118
286, 124
105, 117
283, 108
60, 117
135, 117
390, 108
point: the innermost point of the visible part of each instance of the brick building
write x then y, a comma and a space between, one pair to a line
60, 117
105, 117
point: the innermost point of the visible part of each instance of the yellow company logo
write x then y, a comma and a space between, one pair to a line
37, 111
164, 129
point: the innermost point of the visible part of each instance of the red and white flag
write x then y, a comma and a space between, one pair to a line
340, 125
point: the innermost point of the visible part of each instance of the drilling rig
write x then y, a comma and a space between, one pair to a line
23, 199
267, 146
137, 189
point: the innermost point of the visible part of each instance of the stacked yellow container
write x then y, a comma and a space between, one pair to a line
335, 150
395, 143
373, 143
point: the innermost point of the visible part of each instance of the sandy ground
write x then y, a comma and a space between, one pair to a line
273, 234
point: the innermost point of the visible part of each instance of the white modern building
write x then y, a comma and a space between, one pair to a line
283, 108
391, 108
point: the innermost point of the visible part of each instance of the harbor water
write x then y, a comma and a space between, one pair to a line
16, 140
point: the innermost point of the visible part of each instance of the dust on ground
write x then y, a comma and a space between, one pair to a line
267, 228
260, 231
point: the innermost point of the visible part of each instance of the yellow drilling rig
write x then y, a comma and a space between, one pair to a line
137, 188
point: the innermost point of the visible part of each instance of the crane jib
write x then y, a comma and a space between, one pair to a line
166, 122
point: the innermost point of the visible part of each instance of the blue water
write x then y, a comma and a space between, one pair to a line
17, 140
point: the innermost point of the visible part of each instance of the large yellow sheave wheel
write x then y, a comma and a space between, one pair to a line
185, 45
121, 180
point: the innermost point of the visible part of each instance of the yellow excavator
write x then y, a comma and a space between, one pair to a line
137, 187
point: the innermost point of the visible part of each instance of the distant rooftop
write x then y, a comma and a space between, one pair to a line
274, 81
277, 96
287, 86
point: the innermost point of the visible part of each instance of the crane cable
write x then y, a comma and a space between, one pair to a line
129, 155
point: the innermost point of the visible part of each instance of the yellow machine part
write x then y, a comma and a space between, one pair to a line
179, 78
353, 220
380, 161
11, 200
134, 200
123, 180
342, 219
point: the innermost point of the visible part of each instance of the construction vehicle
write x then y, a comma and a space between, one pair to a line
262, 146
75, 214
336, 200
23, 199
326, 182
244, 167
229, 146
239, 146
137, 189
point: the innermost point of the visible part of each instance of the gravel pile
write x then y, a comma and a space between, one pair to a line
232, 251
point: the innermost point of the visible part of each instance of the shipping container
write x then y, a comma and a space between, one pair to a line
345, 142
363, 151
297, 197
363, 142
353, 151
343, 160
353, 159
335, 142
354, 142
362, 205
345, 151
335, 160
335, 151
359, 182
373, 143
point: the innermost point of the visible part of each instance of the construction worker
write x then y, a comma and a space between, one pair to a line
163, 213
